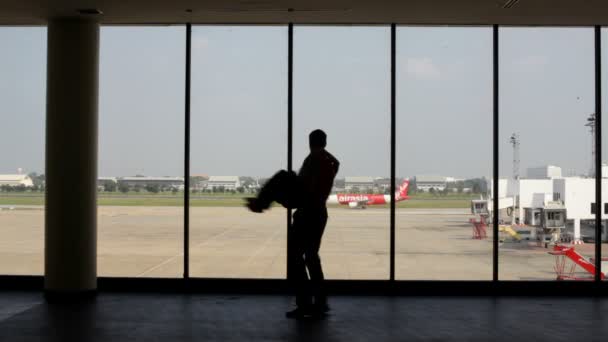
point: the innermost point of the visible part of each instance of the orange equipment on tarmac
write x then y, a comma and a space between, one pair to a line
564, 272
479, 228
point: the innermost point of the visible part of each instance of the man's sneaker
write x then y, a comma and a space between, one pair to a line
322, 307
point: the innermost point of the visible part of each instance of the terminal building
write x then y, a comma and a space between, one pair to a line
384, 184
542, 172
526, 201
426, 182
223, 182
162, 182
15, 180
359, 183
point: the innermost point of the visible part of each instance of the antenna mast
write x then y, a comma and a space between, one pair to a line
591, 124
514, 140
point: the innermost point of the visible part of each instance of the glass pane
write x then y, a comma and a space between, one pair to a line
444, 149
547, 189
141, 125
239, 140
342, 86
22, 126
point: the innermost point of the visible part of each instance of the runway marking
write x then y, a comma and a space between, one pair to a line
181, 255
259, 250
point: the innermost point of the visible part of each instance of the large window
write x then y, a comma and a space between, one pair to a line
342, 86
141, 124
547, 180
444, 150
22, 118
239, 140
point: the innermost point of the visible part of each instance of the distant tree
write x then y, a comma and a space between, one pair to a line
340, 183
153, 188
459, 186
476, 188
483, 184
197, 181
477, 185
432, 190
247, 181
137, 188
38, 181
174, 191
20, 188
240, 189
123, 187
221, 188
412, 188
109, 186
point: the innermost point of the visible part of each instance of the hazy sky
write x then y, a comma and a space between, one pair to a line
341, 84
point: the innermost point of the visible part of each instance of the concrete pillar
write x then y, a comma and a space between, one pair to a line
521, 214
71, 157
577, 230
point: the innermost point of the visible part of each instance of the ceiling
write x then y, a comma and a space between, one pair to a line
522, 12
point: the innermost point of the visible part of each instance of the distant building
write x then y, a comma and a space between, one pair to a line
16, 180
227, 182
527, 199
360, 183
384, 184
162, 182
545, 172
425, 183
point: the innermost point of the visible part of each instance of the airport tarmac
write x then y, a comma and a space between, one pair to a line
231, 242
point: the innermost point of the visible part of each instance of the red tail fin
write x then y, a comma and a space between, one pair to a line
402, 191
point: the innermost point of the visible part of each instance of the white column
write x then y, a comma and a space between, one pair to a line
521, 214
577, 230
71, 157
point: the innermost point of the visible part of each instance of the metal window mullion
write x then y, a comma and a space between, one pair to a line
289, 132
495, 138
393, 152
598, 153
187, 154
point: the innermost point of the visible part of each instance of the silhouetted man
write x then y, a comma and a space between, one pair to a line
307, 192
314, 183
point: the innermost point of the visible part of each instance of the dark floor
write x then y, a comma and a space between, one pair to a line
130, 317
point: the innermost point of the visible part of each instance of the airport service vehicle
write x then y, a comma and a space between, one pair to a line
363, 200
